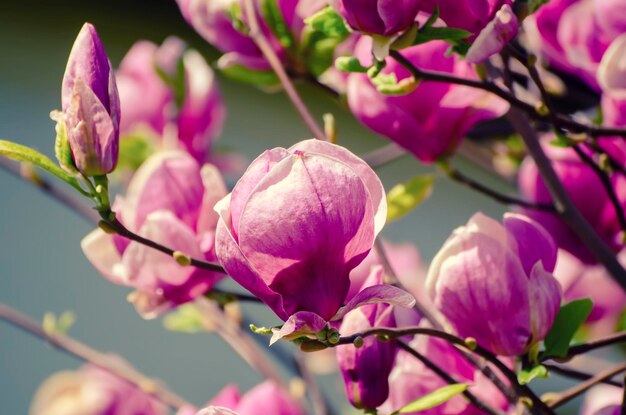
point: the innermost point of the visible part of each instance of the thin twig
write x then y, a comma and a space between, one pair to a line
598, 171
449, 379
248, 298
259, 38
121, 230
318, 401
563, 203
562, 398
606, 183
563, 121
596, 344
82, 351
459, 177
383, 155
238, 340
577, 374
17, 170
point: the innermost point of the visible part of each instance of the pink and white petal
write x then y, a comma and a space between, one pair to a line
257, 170
302, 323
238, 266
216, 410
214, 191
533, 242
228, 397
372, 182
101, 251
148, 268
545, 294
387, 294
168, 180
478, 287
327, 223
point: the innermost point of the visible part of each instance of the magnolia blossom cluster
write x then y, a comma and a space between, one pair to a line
298, 229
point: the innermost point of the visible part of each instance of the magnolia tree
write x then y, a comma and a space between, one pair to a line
504, 302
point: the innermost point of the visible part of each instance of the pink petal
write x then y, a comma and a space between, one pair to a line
100, 250
302, 323
148, 268
372, 182
238, 266
545, 295
169, 180
383, 293
534, 243
326, 223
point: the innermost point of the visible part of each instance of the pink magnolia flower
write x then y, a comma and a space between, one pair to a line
90, 104
603, 400
378, 17
587, 193
148, 102
580, 280
266, 398
295, 225
431, 121
216, 22
470, 15
169, 201
573, 35
365, 369
410, 380
493, 282
92, 391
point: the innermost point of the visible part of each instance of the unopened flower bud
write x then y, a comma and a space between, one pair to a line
90, 104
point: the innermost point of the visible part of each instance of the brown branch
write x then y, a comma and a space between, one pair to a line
449, 379
259, 38
577, 374
82, 351
23, 171
562, 398
563, 121
120, 229
459, 177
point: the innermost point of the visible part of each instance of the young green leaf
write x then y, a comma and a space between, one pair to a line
274, 19
433, 399
242, 74
404, 197
22, 153
568, 320
329, 22
526, 376
185, 319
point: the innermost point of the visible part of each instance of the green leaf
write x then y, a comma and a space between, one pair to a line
527, 375
134, 150
22, 153
349, 64
534, 5
560, 141
404, 197
274, 19
243, 74
329, 22
175, 81
568, 320
185, 319
58, 325
448, 34
433, 399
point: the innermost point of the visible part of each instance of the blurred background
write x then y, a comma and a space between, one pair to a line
41, 265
